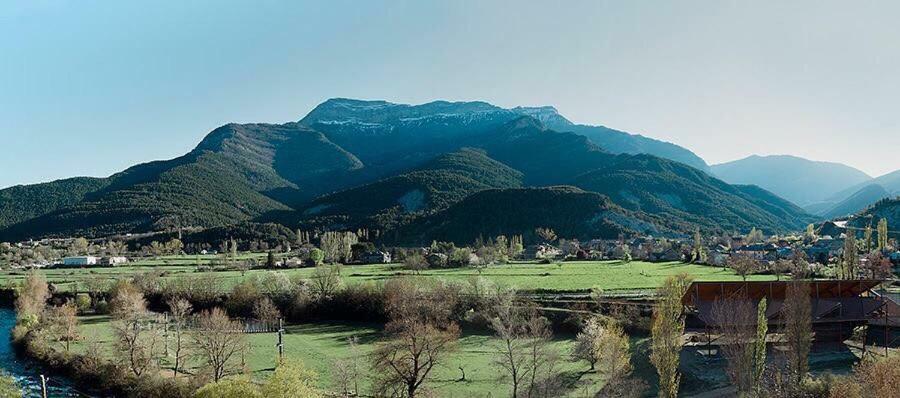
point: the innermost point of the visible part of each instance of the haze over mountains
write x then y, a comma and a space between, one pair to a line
825, 189
441, 170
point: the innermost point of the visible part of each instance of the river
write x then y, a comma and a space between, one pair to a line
26, 372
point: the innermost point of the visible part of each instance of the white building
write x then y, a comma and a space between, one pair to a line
80, 260
113, 260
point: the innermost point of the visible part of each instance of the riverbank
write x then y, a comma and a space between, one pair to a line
26, 371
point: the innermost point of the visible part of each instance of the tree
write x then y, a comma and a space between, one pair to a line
666, 330
810, 234
405, 361
781, 267
62, 321
588, 344
877, 266
31, 299
799, 265
850, 257
421, 336
137, 344
232, 387
415, 261
603, 340
867, 238
733, 319
872, 377
546, 234
291, 379
218, 340
698, 254
326, 281
759, 348
316, 255
755, 236
9, 388
79, 246
174, 246
179, 310
266, 311
126, 301
523, 335
882, 234
743, 265
797, 313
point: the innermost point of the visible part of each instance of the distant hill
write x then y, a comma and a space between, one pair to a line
803, 182
402, 169
890, 182
857, 202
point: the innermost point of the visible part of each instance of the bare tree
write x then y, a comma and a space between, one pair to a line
409, 356
523, 334
797, 313
326, 281
266, 311
741, 328
62, 323
180, 310
126, 301
32, 298
421, 336
415, 261
743, 265
137, 344
218, 340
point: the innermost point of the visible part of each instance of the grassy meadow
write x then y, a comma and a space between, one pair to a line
319, 345
561, 277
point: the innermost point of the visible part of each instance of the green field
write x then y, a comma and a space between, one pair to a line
319, 345
566, 276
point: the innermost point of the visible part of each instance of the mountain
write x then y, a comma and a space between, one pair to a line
397, 168
803, 182
890, 182
546, 157
687, 197
569, 211
614, 141
857, 202
237, 173
23, 202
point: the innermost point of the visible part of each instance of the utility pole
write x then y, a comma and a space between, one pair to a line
280, 344
44, 386
166, 332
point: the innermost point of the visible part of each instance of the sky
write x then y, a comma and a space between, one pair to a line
92, 87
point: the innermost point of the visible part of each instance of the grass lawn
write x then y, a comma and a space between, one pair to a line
319, 345
569, 276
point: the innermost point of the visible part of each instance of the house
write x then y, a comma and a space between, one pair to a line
113, 260
541, 251
719, 256
80, 260
376, 257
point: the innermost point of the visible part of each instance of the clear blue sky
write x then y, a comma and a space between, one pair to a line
89, 88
